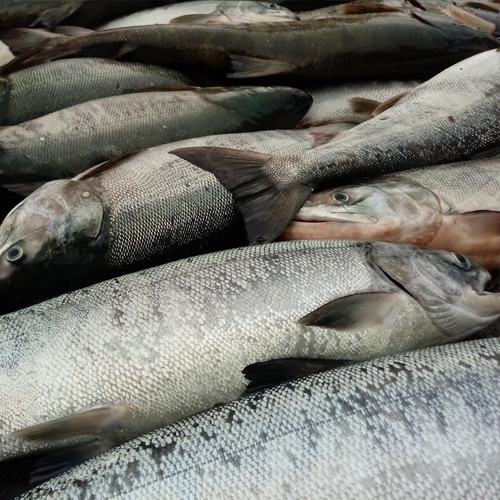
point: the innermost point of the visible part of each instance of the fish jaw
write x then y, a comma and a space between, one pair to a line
449, 287
393, 211
51, 241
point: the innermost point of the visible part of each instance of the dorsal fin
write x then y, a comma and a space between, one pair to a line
389, 103
106, 166
363, 106
174, 88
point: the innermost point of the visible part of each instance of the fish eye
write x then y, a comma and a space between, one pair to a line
14, 254
461, 262
341, 197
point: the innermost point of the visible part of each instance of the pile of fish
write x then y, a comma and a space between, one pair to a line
157, 338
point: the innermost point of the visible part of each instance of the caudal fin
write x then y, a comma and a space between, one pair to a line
266, 208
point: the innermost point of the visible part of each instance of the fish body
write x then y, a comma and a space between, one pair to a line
225, 12
373, 46
150, 208
44, 148
27, 13
139, 332
38, 91
332, 104
422, 425
451, 117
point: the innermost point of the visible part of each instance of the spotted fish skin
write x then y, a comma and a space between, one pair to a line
170, 341
421, 425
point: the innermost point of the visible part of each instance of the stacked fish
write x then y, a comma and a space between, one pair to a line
157, 341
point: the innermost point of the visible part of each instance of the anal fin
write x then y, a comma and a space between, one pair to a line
91, 421
270, 373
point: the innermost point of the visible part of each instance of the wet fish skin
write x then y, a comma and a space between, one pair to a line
331, 104
44, 148
148, 209
423, 206
41, 90
27, 13
231, 12
262, 49
139, 332
373, 430
451, 117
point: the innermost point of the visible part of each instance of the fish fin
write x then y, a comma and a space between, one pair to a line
481, 6
23, 189
62, 460
52, 17
483, 154
481, 221
249, 67
322, 138
196, 19
363, 106
175, 88
359, 311
72, 30
389, 103
106, 166
267, 374
420, 16
416, 4
469, 19
265, 208
89, 421
353, 8
20, 40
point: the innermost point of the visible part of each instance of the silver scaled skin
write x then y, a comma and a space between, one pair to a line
422, 425
129, 355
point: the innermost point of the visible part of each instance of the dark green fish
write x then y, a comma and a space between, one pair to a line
397, 45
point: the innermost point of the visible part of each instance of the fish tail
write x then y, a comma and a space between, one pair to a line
267, 203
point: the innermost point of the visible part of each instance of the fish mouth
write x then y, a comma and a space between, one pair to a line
307, 215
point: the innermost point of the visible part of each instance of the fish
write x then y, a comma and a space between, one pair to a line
224, 12
39, 91
424, 206
424, 425
485, 21
44, 148
449, 118
343, 48
333, 103
130, 213
169, 341
26, 13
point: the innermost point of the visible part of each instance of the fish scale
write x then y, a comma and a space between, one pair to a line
138, 332
420, 425
38, 91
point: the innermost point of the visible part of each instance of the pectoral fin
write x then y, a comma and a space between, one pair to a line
270, 373
360, 311
199, 19
90, 421
363, 106
389, 103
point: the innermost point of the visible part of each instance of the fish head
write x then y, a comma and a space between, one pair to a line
60, 225
449, 286
393, 210
253, 12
